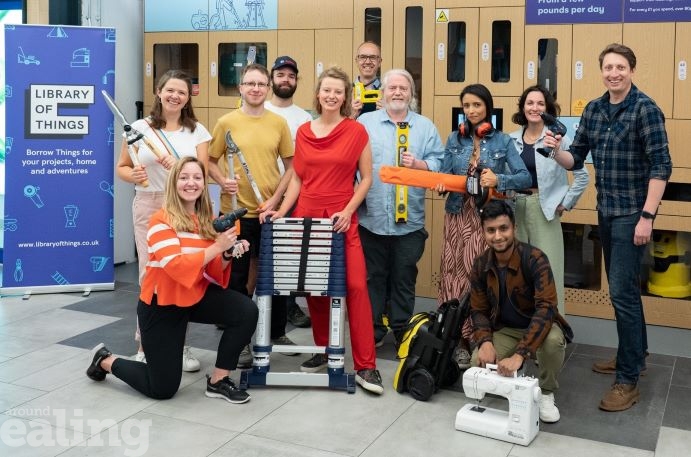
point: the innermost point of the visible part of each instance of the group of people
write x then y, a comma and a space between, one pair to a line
508, 254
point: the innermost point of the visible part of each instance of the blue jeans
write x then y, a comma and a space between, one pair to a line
623, 266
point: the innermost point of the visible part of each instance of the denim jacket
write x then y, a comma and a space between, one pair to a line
497, 151
552, 181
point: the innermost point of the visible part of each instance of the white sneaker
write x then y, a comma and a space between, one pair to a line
139, 357
189, 363
549, 413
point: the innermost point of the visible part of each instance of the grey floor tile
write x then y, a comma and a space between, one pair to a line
118, 336
579, 396
337, 422
12, 396
682, 372
54, 325
153, 436
254, 446
15, 308
29, 364
673, 442
428, 428
57, 375
11, 346
678, 411
84, 399
192, 405
548, 444
117, 303
31, 439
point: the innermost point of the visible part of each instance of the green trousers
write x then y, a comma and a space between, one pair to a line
550, 355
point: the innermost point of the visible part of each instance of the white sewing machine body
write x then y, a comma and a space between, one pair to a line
519, 425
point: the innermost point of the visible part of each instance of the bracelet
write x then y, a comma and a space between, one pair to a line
229, 255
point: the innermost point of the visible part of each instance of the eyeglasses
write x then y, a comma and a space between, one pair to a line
255, 84
365, 58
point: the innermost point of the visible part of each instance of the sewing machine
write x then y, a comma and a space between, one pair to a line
519, 425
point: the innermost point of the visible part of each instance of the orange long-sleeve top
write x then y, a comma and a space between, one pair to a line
175, 271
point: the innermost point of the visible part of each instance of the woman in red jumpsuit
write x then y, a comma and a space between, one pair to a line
329, 151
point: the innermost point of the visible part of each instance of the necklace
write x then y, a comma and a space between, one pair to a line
530, 139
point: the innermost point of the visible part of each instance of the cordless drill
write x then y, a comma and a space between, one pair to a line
554, 126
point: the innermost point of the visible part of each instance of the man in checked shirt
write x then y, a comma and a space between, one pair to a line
625, 132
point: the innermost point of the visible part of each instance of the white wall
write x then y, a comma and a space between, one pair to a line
127, 17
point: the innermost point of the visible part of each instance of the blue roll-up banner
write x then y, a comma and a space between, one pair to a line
58, 222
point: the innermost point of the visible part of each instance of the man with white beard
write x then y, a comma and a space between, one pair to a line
392, 249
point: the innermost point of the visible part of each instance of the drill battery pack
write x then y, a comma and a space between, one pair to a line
427, 347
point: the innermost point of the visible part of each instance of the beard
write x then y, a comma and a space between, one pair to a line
507, 247
284, 92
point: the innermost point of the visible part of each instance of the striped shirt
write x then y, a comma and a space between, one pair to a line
175, 271
629, 147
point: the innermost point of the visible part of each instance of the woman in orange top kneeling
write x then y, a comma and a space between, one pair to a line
185, 281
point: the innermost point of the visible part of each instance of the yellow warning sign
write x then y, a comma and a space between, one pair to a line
577, 107
442, 16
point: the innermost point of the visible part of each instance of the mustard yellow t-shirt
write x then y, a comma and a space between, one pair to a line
262, 140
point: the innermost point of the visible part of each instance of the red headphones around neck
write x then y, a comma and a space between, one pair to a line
482, 129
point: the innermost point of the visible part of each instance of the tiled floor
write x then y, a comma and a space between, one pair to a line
50, 408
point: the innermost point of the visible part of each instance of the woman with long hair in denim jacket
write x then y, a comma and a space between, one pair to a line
489, 159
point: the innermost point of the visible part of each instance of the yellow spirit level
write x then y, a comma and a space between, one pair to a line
365, 96
401, 210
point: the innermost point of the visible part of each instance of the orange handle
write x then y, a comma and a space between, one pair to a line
422, 178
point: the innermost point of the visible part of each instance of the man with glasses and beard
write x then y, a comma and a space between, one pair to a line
284, 83
264, 138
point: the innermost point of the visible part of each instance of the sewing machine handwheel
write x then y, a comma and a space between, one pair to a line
453, 372
421, 384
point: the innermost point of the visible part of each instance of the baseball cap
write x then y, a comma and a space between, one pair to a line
285, 61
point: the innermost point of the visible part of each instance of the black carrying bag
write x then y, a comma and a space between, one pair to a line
427, 348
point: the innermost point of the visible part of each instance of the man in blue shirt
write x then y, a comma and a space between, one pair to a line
392, 249
625, 132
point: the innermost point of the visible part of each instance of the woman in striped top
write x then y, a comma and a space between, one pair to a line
185, 281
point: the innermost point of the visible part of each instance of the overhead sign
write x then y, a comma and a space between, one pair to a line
606, 11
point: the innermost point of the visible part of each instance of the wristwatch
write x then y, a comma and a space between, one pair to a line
646, 215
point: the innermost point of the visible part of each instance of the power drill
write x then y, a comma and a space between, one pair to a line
225, 222
554, 126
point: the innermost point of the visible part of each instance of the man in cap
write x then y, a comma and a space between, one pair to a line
284, 83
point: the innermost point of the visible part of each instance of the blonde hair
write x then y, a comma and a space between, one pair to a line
178, 218
336, 73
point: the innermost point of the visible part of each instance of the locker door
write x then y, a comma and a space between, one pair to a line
299, 44
540, 65
682, 79
501, 50
414, 47
373, 21
588, 41
228, 55
187, 51
456, 48
654, 72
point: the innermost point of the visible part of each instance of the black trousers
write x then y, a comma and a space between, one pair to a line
250, 230
163, 331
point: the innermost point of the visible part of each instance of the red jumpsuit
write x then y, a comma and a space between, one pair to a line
327, 168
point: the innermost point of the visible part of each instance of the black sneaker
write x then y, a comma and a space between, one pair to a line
317, 363
297, 317
246, 359
370, 379
95, 371
227, 390
284, 341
